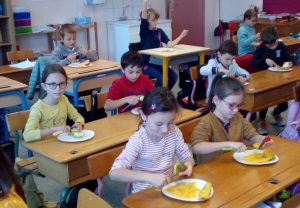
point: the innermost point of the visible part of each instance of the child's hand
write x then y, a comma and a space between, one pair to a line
226, 71
188, 171
71, 57
270, 62
238, 146
257, 35
132, 100
78, 126
268, 143
242, 79
290, 64
184, 33
83, 51
64, 128
159, 180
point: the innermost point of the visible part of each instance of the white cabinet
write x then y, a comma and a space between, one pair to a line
121, 33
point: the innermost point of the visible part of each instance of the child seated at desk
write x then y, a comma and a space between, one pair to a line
224, 62
221, 124
153, 37
49, 114
270, 53
127, 90
246, 33
67, 51
147, 159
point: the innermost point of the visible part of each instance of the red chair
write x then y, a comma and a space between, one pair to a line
244, 62
231, 26
221, 30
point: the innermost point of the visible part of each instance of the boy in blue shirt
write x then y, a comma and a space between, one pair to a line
152, 37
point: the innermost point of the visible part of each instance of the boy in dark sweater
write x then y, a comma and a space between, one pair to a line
270, 53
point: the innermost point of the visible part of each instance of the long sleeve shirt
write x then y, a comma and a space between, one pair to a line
246, 35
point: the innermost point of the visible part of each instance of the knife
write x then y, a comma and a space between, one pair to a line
266, 139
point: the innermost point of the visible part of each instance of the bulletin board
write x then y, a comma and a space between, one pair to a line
280, 6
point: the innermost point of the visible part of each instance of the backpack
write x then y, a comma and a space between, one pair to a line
297, 57
191, 91
293, 122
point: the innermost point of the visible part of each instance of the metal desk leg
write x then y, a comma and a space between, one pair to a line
201, 59
165, 71
64, 194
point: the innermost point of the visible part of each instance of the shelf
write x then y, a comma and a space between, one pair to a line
3, 16
4, 44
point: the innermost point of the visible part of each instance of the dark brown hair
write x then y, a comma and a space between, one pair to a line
51, 69
67, 28
8, 177
269, 35
222, 86
228, 46
249, 14
131, 58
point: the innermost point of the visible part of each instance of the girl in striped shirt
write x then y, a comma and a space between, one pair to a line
147, 159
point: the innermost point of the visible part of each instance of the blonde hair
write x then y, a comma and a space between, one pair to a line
67, 28
151, 11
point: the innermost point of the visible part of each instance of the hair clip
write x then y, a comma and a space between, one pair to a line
153, 106
224, 75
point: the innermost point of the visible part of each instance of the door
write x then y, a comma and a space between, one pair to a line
189, 15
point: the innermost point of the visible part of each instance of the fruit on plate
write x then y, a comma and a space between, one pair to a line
256, 145
87, 62
179, 167
167, 49
73, 130
79, 134
141, 97
205, 191
285, 66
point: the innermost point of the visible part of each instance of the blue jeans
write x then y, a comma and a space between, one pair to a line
156, 72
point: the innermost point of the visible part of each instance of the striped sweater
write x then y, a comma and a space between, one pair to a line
142, 155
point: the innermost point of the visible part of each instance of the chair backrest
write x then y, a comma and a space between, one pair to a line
187, 129
101, 98
15, 56
87, 199
231, 26
244, 62
17, 121
134, 46
108, 157
235, 39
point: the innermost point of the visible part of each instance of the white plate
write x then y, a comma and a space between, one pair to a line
136, 111
276, 70
239, 156
67, 137
74, 65
165, 49
246, 83
200, 185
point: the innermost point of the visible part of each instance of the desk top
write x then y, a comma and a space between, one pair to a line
7, 84
6, 69
109, 132
265, 80
265, 21
234, 184
287, 40
179, 50
99, 65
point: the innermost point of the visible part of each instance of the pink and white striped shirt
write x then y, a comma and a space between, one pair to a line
142, 155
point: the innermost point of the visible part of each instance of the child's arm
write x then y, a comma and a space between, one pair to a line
211, 68
259, 138
241, 73
74, 115
89, 54
57, 58
243, 39
114, 104
144, 9
203, 148
171, 43
258, 59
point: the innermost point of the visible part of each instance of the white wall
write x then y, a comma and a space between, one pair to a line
228, 10
45, 12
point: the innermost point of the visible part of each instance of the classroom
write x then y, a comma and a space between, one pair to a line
149, 103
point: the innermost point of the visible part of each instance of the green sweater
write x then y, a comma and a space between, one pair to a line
210, 129
44, 116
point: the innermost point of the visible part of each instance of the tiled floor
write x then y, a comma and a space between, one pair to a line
113, 192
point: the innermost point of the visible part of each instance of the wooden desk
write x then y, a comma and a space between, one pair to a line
284, 29
292, 43
182, 54
101, 73
11, 94
271, 88
66, 163
20, 75
234, 184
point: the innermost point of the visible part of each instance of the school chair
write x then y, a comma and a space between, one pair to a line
231, 26
17, 121
15, 56
235, 39
244, 62
87, 199
100, 165
101, 99
194, 72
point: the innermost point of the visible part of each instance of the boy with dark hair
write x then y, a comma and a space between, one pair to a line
66, 50
270, 53
131, 86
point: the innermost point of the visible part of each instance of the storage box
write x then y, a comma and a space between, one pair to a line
82, 20
21, 15
24, 22
22, 30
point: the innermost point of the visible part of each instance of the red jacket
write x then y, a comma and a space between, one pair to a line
123, 87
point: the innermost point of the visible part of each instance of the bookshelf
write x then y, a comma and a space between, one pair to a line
8, 42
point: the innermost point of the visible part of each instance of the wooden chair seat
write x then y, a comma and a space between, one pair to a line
201, 102
87, 199
29, 165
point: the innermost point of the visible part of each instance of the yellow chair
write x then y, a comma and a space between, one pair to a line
87, 199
